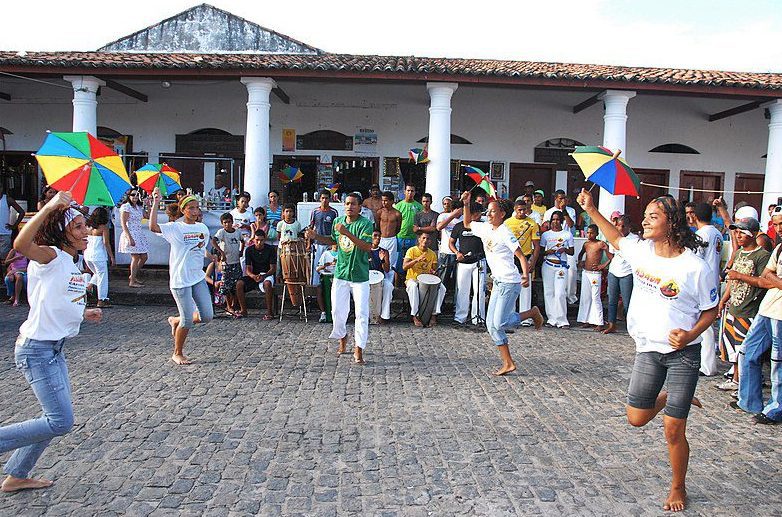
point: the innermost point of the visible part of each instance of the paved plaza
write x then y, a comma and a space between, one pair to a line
268, 421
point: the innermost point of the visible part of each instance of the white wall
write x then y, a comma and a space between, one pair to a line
504, 124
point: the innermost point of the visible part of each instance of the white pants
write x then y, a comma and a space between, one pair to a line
708, 356
385, 301
341, 291
412, 295
525, 296
100, 277
468, 275
555, 294
316, 253
389, 244
590, 309
572, 279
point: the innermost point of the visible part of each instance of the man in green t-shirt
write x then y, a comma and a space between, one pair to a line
353, 235
406, 238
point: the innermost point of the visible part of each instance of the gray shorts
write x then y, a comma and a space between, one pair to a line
677, 370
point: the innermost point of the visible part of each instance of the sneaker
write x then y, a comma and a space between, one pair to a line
761, 418
322, 318
728, 374
527, 323
735, 394
729, 385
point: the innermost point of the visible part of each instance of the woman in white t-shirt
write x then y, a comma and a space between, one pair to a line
500, 247
673, 302
188, 239
56, 292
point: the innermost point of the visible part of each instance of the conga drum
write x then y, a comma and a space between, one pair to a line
375, 295
428, 289
294, 260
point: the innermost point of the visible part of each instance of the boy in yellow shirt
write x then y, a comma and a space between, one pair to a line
527, 232
418, 260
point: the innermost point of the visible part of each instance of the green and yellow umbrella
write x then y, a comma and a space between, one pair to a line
84, 166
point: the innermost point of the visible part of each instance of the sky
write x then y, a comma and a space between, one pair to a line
715, 34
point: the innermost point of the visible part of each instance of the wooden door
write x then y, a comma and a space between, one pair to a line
634, 207
710, 182
749, 182
542, 175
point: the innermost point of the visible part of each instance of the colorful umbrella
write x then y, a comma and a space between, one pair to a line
603, 167
418, 155
333, 188
290, 174
81, 164
160, 175
481, 180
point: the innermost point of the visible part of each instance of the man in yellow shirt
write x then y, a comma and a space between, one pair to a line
527, 232
421, 260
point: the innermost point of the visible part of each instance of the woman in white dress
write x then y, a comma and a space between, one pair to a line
133, 241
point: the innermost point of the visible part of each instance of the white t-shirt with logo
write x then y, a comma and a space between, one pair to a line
668, 293
619, 267
445, 233
713, 250
570, 211
188, 247
57, 295
556, 240
500, 246
243, 219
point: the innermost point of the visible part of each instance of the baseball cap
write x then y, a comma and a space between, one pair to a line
748, 226
529, 184
745, 212
540, 191
616, 214
520, 198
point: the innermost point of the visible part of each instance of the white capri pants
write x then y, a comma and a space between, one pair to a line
341, 291
100, 277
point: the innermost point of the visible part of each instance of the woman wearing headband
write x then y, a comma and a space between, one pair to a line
57, 294
674, 301
188, 238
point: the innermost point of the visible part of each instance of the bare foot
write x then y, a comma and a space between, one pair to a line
696, 402
537, 318
12, 484
433, 321
506, 368
676, 500
599, 328
135, 285
180, 359
610, 328
358, 358
417, 322
342, 346
174, 322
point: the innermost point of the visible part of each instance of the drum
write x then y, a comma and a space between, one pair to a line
375, 295
295, 263
428, 289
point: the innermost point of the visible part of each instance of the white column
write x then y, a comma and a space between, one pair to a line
256, 145
614, 137
772, 184
85, 102
438, 170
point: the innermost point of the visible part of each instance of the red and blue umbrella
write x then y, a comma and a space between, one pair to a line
603, 167
481, 180
160, 175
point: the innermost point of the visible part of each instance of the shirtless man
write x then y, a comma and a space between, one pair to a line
389, 220
374, 202
590, 310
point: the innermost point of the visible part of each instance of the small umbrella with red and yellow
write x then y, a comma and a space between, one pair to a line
160, 175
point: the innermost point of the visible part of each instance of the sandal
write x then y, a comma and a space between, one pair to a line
267, 317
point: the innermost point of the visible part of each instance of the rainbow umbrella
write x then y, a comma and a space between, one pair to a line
418, 155
160, 175
290, 174
603, 167
333, 188
481, 180
80, 163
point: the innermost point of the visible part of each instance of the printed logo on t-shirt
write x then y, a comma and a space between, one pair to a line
713, 294
718, 245
77, 284
196, 240
670, 289
345, 244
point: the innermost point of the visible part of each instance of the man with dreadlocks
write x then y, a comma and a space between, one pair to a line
674, 301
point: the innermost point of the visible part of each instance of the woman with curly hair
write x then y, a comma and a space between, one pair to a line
673, 302
99, 254
56, 293
133, 241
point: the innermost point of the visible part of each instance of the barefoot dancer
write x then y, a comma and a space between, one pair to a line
57, 296
673, 302
501, 246
353, 234
188, 239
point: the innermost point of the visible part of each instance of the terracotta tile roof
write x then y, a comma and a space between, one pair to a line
409, 68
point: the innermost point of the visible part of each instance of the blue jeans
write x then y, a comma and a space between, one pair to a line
43, 365
615, 285
402, 245
763, 333
192, 297
10, 283
500, 314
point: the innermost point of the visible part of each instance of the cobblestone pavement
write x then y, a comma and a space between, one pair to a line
270, 422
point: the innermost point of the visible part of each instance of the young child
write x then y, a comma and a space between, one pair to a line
16, 276
380, 260
99, 254
289, 228
228, 245
590, 309
326, 264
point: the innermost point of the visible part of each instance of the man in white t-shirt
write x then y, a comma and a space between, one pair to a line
699, 216
447, 219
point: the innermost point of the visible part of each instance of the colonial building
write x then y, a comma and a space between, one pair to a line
206, 90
